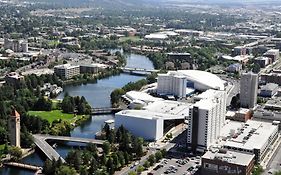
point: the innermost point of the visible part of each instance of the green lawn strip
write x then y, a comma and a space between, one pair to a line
55, 115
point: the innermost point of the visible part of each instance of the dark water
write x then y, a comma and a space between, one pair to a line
98, 95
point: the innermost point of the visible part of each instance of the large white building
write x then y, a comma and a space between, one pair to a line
176, 82
149, 122
205, 120
171, 84
248, 90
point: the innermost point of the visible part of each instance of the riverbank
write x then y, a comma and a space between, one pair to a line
88, 78
98, 96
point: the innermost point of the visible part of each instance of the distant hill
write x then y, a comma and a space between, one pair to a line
149, 3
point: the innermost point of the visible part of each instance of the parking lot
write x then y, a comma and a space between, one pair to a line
185, 166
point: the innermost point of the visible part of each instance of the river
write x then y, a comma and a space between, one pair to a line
98, 95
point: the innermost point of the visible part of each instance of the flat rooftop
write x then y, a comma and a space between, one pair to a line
66, 66
149, 115
169, 107
142, 96
232, 157
250, 135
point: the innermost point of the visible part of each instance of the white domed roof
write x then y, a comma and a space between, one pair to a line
203, 80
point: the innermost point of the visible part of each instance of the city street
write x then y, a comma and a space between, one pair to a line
275, 163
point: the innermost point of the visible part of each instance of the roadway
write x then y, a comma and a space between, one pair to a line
42, 144
49, 151
275, 162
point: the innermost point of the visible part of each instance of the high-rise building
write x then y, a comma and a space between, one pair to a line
171, 84
14, 128
205, 120
248, 90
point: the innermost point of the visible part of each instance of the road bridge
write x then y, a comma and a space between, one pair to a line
41, 142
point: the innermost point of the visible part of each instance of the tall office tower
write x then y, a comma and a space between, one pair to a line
205, 120
14, 128
248, 90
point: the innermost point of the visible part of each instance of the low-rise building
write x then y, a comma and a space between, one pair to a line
273, 54
241, 50
253, 137
269, 90
16, 45
263, 61
223, 162
242, 115
14, 78
237, 67
154, 120
273, 77
67, 71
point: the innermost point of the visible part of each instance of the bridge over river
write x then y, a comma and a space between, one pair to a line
138, 71
98, 111
41, 142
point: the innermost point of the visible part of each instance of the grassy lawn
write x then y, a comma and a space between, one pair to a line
53, 43
55, 104
132, 38
2, 147
54, 115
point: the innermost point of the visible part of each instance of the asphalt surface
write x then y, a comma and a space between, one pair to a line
179, 169
180, 137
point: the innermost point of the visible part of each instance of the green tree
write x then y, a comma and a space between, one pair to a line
257, 170
106, 148
146, 165
110, 166
158, 156
48, 168
67, 105
132, 173
65, 170
151, 160
140, 169
15, 153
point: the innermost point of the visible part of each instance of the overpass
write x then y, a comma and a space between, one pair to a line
138, 71
41, 142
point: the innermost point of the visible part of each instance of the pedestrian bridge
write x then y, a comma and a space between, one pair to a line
41, 142
23, 166
96, 111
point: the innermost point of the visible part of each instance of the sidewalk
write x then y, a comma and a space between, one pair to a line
175, 132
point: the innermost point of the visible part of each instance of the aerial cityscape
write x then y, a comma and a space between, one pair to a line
146, 87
